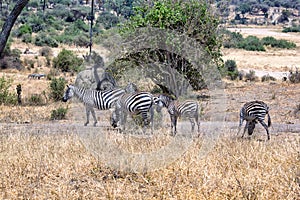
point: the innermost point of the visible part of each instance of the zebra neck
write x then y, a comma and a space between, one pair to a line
80, 93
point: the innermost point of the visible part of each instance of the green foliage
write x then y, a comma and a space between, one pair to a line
35, 100
59, 113
24, 29
251, 43
46, 52
192, 18
27, 38
57, 86
107, 20
291, 29
284, 44
232, 39
6, 97
67, 61
231, 69
43, 39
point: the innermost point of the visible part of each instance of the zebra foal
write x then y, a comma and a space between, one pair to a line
137, 103
102, 100
253, 112
188, 108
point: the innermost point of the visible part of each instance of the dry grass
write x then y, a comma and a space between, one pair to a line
57, 166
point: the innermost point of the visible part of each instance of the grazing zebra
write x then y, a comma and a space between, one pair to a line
137, 103
253, 112
188, 108
102, 100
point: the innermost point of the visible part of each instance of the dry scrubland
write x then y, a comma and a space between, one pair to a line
47, 160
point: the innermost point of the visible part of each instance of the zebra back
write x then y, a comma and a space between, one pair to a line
136, 102
255, 110
102, 100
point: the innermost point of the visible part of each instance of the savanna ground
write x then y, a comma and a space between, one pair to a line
42, 159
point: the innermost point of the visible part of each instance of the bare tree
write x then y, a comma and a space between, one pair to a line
9, 23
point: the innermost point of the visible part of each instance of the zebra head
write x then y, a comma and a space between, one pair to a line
69, 93
251, 126
114, 119
165, 100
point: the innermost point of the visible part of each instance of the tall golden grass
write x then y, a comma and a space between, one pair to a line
57, 166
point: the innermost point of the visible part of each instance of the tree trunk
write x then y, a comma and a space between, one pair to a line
9, 23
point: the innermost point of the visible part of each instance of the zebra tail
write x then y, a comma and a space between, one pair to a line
269, 120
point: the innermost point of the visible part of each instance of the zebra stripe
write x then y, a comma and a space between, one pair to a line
253, 112
102, 100
138, 103
188, 108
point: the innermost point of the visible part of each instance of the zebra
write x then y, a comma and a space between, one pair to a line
102, 100
176, 109
137, 103
253, 112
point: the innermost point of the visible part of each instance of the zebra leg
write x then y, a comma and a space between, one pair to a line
94, 116
266, 127
87, 110
240, 125
173, 125
192, 123
152, 118
246, 126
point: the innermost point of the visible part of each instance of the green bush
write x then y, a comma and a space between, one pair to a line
46, 52
59, 113
251, 43
284, 44
24, 29
35, 100
231, 69
67, 61
42, 39
26, 38
107, 19
57, 86
7, 97
291, 29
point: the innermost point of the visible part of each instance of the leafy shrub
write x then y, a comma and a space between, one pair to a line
7, 97
35, 100
232, 39
57, 86
231, 69
67, 61
46, 52
291, 29
278, 43
59, 113
43, 39
26, 38
107, 19
250, 76
251, 43
267, 78
24, 29
11, 62
81, 40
